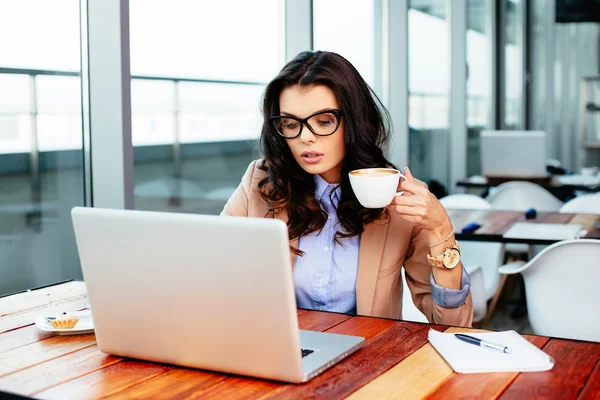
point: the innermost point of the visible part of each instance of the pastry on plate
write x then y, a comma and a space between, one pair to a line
67, 321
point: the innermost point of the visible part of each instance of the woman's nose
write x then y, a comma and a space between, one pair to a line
306, 136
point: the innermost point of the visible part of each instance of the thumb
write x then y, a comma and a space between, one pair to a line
409, 176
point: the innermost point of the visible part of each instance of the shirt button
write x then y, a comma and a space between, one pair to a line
322, 280
326, 248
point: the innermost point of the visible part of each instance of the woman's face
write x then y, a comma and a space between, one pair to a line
327, 151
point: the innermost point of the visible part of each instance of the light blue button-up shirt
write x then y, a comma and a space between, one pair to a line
325, 276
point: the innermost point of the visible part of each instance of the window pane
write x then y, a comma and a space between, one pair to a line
194, 138
44, 34
347, 27
224, 40
478, 80
59, 113
428, 84
41, 176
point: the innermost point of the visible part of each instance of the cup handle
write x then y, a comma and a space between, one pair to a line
400, 193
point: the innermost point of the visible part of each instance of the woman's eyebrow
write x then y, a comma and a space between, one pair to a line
312, 113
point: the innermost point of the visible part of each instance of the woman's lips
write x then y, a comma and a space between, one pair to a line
311, 157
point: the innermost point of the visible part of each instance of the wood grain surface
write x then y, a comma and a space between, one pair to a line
397, 362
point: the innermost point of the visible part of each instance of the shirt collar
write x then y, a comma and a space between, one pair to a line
321, 186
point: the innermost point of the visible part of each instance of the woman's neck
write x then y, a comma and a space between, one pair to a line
334, 175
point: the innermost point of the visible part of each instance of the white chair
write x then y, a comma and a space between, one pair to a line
561, 285
585, 204
521, 196
465, 202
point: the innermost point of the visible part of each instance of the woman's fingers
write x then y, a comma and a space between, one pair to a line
409, 176
410, 201
412, 187
410, 211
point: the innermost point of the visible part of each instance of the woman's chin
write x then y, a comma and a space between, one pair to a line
314, 169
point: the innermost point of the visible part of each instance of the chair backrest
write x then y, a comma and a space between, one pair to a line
585, 204
521, 196
474, 253
465, 202
561, 285
487, 255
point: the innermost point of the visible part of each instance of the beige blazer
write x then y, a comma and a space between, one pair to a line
385, 246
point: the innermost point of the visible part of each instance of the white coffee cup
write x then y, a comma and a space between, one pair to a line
375, 187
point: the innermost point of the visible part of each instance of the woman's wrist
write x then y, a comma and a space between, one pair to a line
441, 235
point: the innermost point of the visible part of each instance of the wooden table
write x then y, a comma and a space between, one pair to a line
396, 362
549, 183
495, 222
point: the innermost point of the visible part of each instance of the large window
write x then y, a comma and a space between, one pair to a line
428, 83
41, 175
196, 92
479, 77
347, 27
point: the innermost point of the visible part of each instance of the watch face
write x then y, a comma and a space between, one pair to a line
451, 258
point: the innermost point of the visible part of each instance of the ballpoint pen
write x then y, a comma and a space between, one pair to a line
482, 343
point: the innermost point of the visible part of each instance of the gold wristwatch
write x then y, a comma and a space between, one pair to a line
447, 259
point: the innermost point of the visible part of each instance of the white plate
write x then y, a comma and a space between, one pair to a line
84, 325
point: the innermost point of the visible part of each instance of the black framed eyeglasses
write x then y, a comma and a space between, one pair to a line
323, 123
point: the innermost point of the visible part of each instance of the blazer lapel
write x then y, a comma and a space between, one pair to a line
372, 242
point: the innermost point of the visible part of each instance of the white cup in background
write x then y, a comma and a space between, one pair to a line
375, 187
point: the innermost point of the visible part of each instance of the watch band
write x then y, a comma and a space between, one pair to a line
438, 261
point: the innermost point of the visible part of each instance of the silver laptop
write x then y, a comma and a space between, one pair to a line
520, 154
199, 291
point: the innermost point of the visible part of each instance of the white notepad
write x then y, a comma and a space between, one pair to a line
468, 358
530, 230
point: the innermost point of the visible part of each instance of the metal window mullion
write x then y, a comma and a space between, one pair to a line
493, 43
34, 154
395, 25
523, 36
500, 64
88, 198
549, 126
379, 47
298, 27
176, 133
457, 34
109, 78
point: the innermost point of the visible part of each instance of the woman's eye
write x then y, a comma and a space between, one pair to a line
290, 125
326, 122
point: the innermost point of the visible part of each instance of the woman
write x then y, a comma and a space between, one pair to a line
322, 121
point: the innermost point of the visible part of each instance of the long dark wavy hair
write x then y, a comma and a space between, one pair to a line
366, 131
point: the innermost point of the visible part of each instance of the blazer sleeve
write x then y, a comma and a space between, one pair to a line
237, 205
418, 274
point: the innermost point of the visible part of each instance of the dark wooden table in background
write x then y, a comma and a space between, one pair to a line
549, 183
396, 362
562, 191
495, 223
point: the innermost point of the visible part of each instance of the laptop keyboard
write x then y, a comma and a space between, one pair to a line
306, 352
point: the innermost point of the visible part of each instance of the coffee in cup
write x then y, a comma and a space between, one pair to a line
375, 187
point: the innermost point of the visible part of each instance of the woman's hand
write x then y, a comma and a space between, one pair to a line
420, 207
